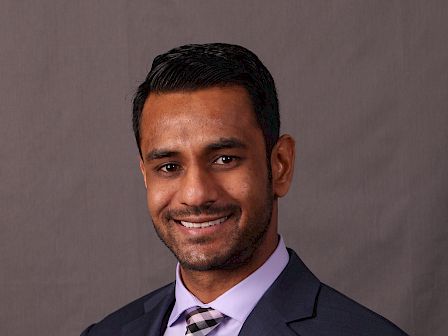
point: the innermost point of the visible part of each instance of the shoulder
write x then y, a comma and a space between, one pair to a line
115, 321
337, 314
313, 308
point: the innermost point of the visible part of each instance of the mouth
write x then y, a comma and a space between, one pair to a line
198, 224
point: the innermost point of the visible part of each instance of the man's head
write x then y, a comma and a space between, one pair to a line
196, 66
211, 158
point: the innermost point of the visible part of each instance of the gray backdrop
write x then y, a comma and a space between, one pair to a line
363, 87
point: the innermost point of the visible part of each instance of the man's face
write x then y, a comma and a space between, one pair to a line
205, 169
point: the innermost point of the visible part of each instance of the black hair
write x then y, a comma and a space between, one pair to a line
198, 66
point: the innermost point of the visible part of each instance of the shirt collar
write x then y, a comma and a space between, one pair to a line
239, 300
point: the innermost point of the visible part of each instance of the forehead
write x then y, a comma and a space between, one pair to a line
199, 115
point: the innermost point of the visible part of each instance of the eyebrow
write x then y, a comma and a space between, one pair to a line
160, 154
225, 143
222, 143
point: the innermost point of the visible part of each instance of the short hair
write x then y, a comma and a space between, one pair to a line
199, 66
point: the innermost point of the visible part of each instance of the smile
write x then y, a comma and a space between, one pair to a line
201, 225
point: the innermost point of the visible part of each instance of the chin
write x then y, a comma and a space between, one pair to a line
198, 261
233, 259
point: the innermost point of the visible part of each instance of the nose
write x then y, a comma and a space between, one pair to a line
198, 188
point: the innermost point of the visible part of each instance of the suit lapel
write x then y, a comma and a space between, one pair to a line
150, 323
264, 322
291, 297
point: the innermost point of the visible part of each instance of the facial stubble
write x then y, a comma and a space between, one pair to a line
242, 245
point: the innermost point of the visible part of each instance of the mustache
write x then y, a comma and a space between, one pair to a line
209, 210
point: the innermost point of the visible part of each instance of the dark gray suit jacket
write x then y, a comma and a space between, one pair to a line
297, 303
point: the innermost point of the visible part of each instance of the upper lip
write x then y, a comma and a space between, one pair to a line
201, 219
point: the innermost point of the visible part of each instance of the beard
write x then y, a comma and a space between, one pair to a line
240, 245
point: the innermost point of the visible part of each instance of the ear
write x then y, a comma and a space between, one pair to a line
143, 170
282, 164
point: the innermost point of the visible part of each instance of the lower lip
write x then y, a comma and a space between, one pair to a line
206, 230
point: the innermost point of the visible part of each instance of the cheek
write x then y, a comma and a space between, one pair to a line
158, 198
247, 189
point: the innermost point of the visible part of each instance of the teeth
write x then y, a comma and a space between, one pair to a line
203, 224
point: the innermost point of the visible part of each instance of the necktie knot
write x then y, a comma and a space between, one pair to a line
201, 321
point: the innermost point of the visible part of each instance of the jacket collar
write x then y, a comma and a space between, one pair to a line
292, 297
155, 309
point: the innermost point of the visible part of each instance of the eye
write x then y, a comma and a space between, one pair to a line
225, 159
170, 168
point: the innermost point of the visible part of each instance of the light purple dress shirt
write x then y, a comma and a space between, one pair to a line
236, 303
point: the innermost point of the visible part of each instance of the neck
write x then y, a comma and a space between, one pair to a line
208, 285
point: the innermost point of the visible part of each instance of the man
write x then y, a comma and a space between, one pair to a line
207, 125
